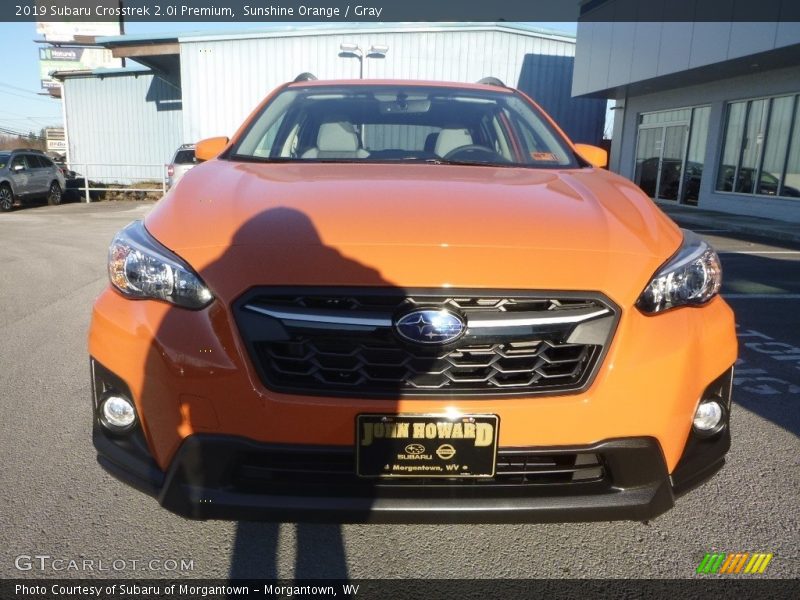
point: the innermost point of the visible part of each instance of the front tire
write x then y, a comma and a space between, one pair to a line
6, 198
54, 195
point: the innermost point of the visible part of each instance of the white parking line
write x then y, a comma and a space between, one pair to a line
762, 296
760, 252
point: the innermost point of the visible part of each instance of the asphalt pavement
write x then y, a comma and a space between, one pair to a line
58, 503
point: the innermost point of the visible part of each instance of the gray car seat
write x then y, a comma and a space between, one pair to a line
336, 140
450, 139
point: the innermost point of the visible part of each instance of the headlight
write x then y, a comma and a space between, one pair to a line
692, 277
140, 267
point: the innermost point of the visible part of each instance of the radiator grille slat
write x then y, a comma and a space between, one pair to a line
459, 370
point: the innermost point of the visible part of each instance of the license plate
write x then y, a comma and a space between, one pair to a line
426, 445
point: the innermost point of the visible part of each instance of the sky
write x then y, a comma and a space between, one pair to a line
24, 109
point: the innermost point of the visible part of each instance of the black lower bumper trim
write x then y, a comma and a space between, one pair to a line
198, 485
704, 456
638, 505
128, 460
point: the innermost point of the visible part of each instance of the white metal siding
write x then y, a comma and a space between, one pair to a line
223, 80
128, 119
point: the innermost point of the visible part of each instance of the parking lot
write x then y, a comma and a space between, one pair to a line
57, 501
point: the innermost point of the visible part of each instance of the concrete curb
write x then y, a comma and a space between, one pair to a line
766, 228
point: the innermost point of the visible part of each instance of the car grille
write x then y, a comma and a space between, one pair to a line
334, 472
343, 343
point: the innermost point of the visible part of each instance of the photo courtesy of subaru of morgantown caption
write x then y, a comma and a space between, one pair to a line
409, 301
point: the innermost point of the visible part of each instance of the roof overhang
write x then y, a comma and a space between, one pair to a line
160, 55
788, 56
56, 92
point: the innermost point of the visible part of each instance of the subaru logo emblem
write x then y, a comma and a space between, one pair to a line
415, 449
430, 326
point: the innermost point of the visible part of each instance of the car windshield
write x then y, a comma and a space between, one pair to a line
399, 123
4, 160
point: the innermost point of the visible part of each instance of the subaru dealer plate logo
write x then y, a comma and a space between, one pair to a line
430, 326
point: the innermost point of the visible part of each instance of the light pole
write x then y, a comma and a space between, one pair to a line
349, 50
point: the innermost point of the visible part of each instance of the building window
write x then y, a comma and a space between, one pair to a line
776, 146
791, 179
760, 152
670, 153
696, 154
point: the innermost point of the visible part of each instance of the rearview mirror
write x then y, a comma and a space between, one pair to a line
597, 157
210, 148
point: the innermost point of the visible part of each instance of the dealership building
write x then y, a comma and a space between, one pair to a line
186, 87
706, 114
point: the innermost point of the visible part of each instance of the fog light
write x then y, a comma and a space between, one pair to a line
709, 417
117, 414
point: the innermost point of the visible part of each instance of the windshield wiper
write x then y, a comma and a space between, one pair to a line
367, 160
260, 159
467, 163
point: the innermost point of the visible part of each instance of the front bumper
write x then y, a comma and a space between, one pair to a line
214, 476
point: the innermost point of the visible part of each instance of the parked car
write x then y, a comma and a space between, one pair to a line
27, 175
410, 301
768, 186
183, 160
672, 171
76, 187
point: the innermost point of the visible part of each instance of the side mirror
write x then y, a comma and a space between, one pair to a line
597, 157
210, 148
18, 168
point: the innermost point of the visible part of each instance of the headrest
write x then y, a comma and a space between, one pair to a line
337, 137
450, 139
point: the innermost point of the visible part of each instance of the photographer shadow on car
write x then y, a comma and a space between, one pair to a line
265, 428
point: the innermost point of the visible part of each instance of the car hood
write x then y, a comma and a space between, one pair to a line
413, 225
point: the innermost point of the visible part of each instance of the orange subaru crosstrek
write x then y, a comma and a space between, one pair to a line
409, 301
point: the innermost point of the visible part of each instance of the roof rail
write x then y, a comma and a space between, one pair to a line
492, 81
305, 77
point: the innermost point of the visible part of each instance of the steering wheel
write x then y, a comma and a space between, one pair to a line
474, 152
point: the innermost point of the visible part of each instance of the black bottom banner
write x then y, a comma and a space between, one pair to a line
398, 589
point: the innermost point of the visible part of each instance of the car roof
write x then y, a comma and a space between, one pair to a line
401, 82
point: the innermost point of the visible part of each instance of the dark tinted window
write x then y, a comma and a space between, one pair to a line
19, 159
184, 157
4, 160
35, 161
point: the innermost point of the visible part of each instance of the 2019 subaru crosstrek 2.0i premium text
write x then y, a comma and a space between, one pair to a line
409, 301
